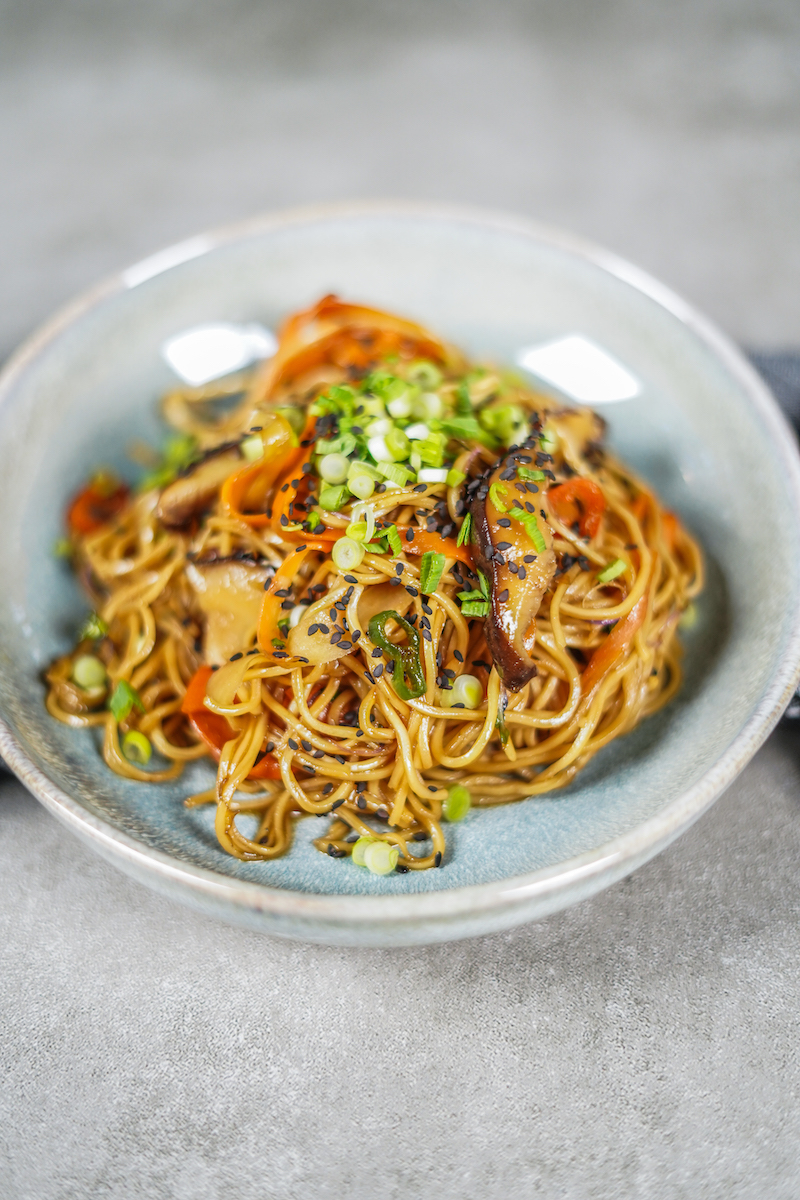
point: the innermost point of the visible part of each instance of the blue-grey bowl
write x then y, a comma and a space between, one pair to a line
703, 429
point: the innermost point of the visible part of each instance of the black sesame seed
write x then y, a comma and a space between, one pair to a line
324, 629
504, 521
319, 754
313, 628
361, 786
437, 862
361, 802
521, 573
426, 634
503, 597
377, 672
377, 652
420, 836
401, 869
326, 791
236, 657
336, 637
337, 804
306, 746
345, 645
369, 678
421, 487
529, 558
398, 568
458, 656
432, 787
292, 744
339, 758
504, 545
409, 535
412, 591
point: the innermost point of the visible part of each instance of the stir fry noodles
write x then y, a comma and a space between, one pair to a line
375, 583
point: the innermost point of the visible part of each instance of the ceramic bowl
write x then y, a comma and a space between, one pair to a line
701, 428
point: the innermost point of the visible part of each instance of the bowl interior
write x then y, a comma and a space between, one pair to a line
692, 431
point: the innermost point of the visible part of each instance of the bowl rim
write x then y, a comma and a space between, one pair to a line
586, 870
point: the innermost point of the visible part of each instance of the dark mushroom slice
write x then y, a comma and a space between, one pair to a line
194, 491
514, 550
229, 593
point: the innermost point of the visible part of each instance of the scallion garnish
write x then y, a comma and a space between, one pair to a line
123, 699
464, 531
613, 569
532, 474
94, 627
392, 536
430, 571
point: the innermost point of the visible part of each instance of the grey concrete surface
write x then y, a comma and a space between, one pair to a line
643, 1044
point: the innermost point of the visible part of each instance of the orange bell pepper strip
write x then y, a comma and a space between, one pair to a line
670, 527
424, 541
579, 500
616, 644
271, 604
95, 506
248, 488
215, 730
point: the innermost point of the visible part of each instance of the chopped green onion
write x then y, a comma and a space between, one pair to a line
392, 536
424, 373
136, 747
88, 672
496, 492
406, 663
396, 473
464, 531
379, 427
613, 569
455, 478
466, 690
362, 486
689, 618
379, 450
62, 548
484, 583
430, 571
467, 429
93, 627
432, 475
279, 643
123, 699
532, 474
358, 850
457, 804
431, 449
344, 444
530, 523
333, 498
381, 858
397, 444
475, 608
252, 448
428, 406
294, 415
418, 432
357, 530
333, 468
400, 407
463, 402
347, 554
508, 422
297, 614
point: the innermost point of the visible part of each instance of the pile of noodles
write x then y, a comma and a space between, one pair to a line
334, 738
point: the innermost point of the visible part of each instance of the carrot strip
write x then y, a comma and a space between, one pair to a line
615, 645
214, 729
424, 541
250, 485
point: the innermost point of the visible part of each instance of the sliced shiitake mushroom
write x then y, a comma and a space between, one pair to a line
517, 569
229, 593
193, 491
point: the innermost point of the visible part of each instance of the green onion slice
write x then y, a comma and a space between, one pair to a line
123, 699
464, 531
430, 571
613, 569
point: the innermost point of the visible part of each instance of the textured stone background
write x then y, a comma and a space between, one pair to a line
643, 1044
